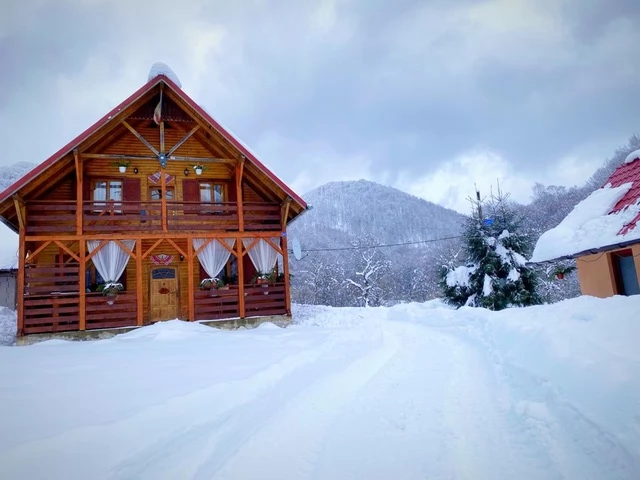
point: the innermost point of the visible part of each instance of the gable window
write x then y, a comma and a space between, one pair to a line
155, 193
625, 273
107, 193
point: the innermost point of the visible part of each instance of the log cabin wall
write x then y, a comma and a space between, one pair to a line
52, 201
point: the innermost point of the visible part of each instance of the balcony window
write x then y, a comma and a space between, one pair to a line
108, 193
212, 193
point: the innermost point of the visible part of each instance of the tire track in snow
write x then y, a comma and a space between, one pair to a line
162, 431
301, 427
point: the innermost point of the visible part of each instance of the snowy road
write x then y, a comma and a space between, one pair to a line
410, 392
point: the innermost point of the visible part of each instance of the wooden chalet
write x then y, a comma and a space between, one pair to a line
159, 227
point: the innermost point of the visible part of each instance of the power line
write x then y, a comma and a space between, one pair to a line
334, 249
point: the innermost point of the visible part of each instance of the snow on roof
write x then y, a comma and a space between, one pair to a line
606, 218
160, 68
632, 156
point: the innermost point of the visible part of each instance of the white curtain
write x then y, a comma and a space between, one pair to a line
110, 260
263, 255
214, 256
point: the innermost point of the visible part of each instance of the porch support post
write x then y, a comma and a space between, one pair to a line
21, 280
285, 268
239, 172
82, 320
163, 187
241, 307
190, 282
139, 285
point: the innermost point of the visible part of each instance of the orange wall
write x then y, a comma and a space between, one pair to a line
595, 273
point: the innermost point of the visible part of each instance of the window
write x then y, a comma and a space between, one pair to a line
624, 270
212, 193
155, 193
107, 193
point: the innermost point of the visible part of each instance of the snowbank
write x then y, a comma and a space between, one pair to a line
589, 226
409, 391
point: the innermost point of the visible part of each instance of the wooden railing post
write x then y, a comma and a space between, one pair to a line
82, 320
191, 283
139, 285
241, 307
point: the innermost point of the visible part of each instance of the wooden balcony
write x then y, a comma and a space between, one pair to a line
59, 217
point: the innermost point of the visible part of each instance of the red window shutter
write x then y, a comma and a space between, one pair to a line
190, 193
231, 189
131, 190
131, 194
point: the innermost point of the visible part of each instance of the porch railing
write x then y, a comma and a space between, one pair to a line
45, 217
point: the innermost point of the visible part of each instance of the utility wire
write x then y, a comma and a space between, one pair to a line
335, 249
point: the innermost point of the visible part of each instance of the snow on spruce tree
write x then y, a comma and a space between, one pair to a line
495, 276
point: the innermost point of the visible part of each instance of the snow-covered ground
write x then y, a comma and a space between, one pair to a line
411, 391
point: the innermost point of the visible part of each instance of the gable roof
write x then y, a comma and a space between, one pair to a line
609, 218
53, 159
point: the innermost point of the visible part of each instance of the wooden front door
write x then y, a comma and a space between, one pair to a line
164, 297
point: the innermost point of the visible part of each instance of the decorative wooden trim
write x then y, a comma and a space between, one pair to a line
123, 247
239, 199
34, 255
67, 249
240, 255
140, 137
152, 248
275, 247
82, 320
20, 286
171, 242
191, 283
285, 268
20, 211
97, 249
182, 140
139, 285
110, 156
151, 235
285, 212
251, 245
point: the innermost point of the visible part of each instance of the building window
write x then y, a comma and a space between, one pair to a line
625, 273
107, 193
212, 193
155, 193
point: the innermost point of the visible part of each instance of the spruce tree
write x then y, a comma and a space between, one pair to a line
495, 276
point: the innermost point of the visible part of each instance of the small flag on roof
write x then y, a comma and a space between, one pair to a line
157, 113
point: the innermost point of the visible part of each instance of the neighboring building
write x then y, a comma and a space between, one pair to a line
158, 226
603, 234
8, 268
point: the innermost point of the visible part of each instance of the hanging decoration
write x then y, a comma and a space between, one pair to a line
155, 178
161, 259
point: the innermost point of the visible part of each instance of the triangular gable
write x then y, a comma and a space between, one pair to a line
111, 116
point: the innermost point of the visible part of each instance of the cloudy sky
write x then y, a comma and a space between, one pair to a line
428, 96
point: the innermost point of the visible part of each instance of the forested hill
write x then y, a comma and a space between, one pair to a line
12, 173
366, 209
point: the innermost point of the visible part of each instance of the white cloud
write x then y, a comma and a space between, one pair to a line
454, 181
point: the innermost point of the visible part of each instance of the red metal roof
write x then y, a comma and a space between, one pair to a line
627, 173
136, 95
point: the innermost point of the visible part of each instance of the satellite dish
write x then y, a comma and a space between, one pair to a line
297, 249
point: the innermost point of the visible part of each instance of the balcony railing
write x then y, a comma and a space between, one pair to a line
124, 217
